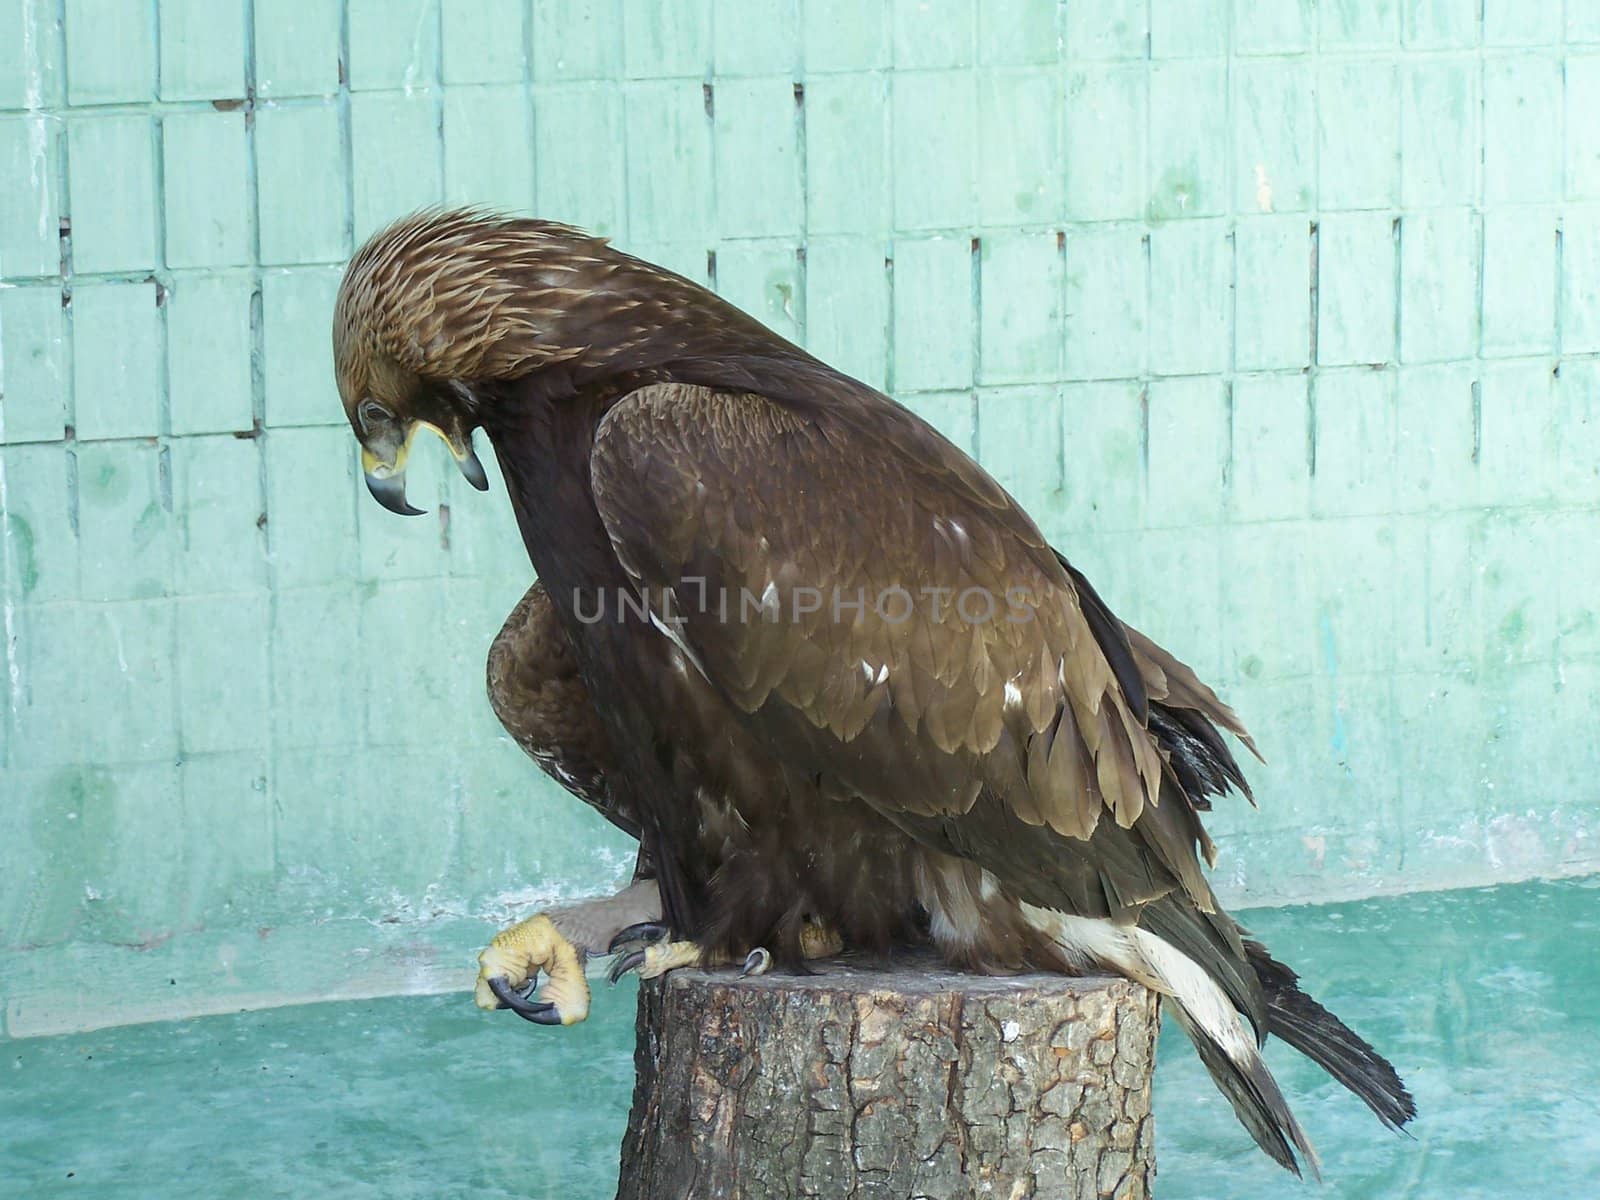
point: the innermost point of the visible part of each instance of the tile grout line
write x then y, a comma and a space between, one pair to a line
158, 277
265, 533
802, 172
65, 284
347, 170
530, 101
1231, 234
975, 305
884, 82
1146, 266
975, 244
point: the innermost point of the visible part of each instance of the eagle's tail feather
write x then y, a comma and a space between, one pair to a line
1254, 1094
1329, 1042
1203, 1010
1228, 1049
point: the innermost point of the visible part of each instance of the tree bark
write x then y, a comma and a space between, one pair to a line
896, 1080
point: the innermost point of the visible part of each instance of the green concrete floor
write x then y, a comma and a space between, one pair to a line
1488, 1000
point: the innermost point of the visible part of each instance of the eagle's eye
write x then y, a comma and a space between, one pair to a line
371, 414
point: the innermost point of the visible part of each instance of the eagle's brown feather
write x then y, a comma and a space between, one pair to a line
541, 700
995, 684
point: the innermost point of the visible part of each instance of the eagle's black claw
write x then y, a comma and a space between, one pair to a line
539, 1012
631, 961
644, 931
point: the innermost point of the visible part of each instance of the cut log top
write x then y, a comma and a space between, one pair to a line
906, 974
896, 1079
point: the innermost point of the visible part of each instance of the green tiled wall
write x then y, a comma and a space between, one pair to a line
1282, 316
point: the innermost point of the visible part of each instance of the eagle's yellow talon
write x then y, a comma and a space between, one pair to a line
819, 940
657, 959
517, 955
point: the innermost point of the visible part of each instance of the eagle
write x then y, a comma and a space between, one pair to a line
824, 668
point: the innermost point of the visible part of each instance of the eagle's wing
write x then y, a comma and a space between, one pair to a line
878, 584
540, 698
889, 619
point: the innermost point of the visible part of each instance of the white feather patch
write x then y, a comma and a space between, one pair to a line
675, 635
1142, 956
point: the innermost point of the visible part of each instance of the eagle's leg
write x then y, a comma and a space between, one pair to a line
817, 940
558, 943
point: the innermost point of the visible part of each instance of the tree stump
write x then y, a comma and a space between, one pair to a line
894, 1080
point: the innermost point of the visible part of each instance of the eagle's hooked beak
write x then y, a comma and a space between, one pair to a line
384, 463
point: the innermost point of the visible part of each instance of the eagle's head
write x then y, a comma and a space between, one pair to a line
386, 404
443, 308
441, 303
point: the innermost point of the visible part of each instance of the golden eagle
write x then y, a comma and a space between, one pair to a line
824, 667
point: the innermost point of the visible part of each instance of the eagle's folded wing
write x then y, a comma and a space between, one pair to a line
928, 654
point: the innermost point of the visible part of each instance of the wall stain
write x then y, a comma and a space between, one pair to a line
1176, 194
20, 534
